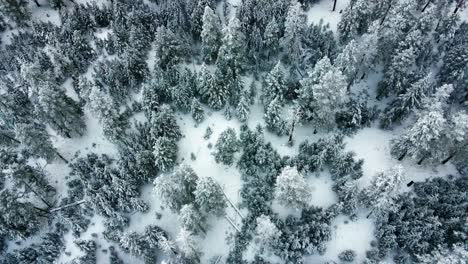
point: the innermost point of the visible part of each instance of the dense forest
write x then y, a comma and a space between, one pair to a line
233, 131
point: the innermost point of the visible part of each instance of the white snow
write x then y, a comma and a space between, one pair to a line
346, 234
373, 145
323, 10
322, 193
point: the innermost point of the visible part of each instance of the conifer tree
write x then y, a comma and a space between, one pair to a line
209, 197
197, 112
273, 120
170, 48
165, 153
243, 107
226, 145
231, 56
164, 124
271, 39
425, 137
294, 28
398, 75
355, 20
61, 112
380, 196
177, 188
291, 189
17, 219
211, 35
274, 86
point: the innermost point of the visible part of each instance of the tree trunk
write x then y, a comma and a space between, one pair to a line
426, 5
459, 4
421, 160
11, 138
232, 204
61, 157
448, 158
369, 214
386, 13
66, 206
232, 223
291, 131
402, 155
334, 6
37, 194
37, 3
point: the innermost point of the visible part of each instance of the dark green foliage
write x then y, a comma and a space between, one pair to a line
17, 219
305, 235
164, 124
105, 188
347, 255
226, 146
137, 162
357, 114
46, 252
259, 165
423, 223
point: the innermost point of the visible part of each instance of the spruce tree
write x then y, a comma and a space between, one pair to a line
291, 189
177, 188
196, 110
274, 86
211, 35
225, 147
61, 112
209, 197
381, 195
165, 153
273, 120
294, 28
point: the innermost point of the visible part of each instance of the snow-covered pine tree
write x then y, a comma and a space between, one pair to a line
399, 74
106, 110
274, 86
424, 139
305, 93
187, 244
291, 189
267, 233
355, 20
271, 39
211, 35
35, 139
177, 188
380, 196
402, 106
294, 28
196, 110
61, 112
216, 93
17, 219
243, 107
165, 153
170, 48
225, 147
209, 197
329, 94
457, 136
274, 121
192, 220
164, 124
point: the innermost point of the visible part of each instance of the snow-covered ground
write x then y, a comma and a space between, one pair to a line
323, 11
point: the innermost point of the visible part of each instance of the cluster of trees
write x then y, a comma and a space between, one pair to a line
307, 77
